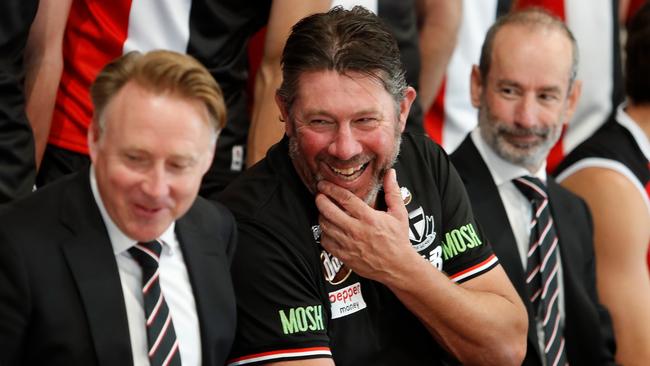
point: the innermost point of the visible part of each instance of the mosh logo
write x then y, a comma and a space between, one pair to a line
301, 319
459, 240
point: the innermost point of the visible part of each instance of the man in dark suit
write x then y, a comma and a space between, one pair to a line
122, 264
525, 91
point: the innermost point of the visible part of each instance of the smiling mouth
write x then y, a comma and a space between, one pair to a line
349, 173
148, 210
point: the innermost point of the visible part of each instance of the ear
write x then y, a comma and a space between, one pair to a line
572, 100
284, 115
93, 137
405, 106
476, 86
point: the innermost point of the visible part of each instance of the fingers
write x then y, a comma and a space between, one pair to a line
347, 200
392, 194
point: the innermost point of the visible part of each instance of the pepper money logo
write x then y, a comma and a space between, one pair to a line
334, 270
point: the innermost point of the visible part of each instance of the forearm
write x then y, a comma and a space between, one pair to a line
477, 327
266, 128
438, 33
43, 67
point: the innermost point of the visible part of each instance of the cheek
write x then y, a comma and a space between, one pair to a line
312, 144
500, 110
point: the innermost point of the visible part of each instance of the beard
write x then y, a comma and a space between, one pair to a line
531, 155
311, 177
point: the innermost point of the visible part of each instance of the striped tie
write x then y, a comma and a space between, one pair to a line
542, 270
161, 337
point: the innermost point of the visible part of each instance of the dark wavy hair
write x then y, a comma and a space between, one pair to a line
342, 40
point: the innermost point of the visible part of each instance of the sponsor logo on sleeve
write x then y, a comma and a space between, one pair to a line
334, 270
346, 301
301, 319
459, 240
406, 195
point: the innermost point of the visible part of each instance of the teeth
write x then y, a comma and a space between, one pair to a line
348, 171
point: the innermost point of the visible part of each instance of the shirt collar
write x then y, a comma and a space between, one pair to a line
120, 241
502, 170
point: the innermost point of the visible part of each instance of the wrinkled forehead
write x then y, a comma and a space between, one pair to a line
349, 87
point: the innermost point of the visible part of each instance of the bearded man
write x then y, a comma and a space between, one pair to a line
525, 90
338, 263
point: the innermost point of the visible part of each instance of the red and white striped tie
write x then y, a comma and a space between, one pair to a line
161, 337
542, 270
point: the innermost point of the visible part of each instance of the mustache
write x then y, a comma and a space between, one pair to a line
355, 160
539, 131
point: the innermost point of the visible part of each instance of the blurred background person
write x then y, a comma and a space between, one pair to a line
85, 35
128, 266
17, 168
611, 172
526, 90
426, 33
594, 24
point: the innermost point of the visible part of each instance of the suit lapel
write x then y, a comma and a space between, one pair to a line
562, 219
490, 211
491, 214
207, 269
568, 249
91, 260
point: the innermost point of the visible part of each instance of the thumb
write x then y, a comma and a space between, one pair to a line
392, 194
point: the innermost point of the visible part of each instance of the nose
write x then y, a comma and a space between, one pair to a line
156, 183
525, 113
345, 145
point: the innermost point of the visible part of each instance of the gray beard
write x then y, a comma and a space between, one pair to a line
371, 196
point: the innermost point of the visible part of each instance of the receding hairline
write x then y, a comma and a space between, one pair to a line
146, 88
532, 19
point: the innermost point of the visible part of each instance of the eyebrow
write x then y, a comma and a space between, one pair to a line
546, 89
317, 112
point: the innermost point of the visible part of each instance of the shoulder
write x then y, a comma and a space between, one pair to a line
571, 210
419, 154
205, 209
45, 204
247, 195
610, 146
559, 193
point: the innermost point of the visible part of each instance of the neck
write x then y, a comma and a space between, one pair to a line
640, 113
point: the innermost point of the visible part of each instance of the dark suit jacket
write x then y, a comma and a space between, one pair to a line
61, 301
588, 331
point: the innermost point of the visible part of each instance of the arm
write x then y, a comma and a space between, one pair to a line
438, 21
376, 245
312, 362
621, 237
266, 129
43, 67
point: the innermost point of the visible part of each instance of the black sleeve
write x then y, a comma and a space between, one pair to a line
280, 310
466, 252
16, 139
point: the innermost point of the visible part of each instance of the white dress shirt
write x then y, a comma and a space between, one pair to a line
518, 208
174, 284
